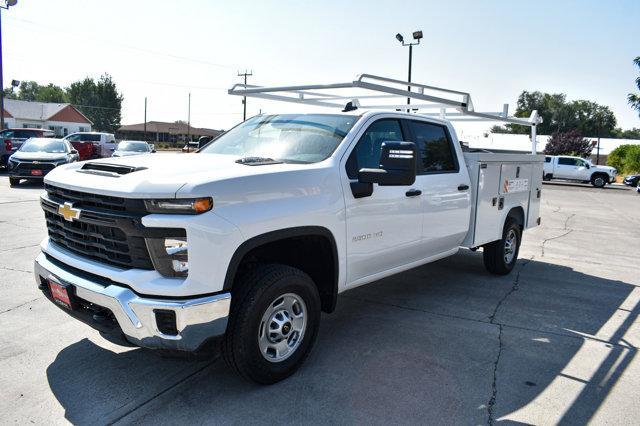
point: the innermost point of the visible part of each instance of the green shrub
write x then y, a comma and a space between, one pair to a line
625, 158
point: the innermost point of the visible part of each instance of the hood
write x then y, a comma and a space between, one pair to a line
48, 156
158, 175
604, 168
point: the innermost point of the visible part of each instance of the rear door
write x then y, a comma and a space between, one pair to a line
384, 230
445, 187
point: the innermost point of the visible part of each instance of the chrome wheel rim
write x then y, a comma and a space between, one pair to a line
282, 327
510, 245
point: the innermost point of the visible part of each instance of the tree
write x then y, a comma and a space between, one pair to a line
634, 98
32, 91
558, 115
568, 143
627, 134
99, 101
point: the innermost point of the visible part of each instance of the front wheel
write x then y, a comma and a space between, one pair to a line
500, 256
274, 321
599, 181
14, 181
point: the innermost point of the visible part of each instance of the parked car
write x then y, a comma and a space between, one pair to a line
191, 146
577, 169
37, 157
92, 144
236, 245
12, 139
127, 148
631, 180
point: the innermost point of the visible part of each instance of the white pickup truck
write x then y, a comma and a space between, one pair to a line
577, 169
245, 242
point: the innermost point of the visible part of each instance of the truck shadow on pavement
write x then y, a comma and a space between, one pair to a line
445, 343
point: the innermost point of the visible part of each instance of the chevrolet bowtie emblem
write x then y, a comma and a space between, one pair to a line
68, 212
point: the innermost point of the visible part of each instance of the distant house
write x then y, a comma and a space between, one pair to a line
160, 131
61, 118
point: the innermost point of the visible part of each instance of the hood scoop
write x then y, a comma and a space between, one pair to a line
106, 169
257, 161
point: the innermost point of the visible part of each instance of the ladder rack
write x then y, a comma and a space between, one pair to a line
371, 92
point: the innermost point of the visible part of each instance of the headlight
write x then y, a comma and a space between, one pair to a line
180, 205
170, 256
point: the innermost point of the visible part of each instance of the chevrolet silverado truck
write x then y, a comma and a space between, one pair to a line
577, 169
246, 242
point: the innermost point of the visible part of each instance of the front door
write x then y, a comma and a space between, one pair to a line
384, 230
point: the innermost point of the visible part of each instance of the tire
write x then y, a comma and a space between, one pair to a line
599, 180
13, 181
495, 256
279, 299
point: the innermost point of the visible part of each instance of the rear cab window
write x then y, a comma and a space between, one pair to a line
435, 147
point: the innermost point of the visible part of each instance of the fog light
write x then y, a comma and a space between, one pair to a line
170, 256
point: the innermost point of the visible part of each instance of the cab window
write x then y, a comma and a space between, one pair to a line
366, 154
567, 161
436, 151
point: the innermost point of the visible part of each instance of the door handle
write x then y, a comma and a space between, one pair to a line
413, 193
463, 187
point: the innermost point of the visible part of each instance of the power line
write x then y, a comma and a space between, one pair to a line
139, 49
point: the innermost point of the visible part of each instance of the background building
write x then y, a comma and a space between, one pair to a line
160, 131
60, 117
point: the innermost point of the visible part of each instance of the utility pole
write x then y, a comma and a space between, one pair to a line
145, 118
189, 123
245, 74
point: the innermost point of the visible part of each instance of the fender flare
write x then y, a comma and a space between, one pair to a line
282, 234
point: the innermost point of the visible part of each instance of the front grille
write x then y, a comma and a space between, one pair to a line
106, 244
103, 202
27, 167
108, 230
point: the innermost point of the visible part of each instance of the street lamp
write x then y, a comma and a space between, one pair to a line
5, 4
417, 36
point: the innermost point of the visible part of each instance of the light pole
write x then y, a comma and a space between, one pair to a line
7, 5
417, 35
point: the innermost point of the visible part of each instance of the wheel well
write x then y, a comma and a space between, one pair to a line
517, 213
310, 249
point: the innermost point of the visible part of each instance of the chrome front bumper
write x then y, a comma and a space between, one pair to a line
197, 319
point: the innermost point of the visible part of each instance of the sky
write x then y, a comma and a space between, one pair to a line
164, 50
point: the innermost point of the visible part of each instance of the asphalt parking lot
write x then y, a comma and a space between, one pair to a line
447, 343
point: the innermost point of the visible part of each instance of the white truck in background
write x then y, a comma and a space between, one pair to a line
577, 169
244, 243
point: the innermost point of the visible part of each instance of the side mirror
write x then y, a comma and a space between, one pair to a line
112, 149
74, 151
397, 165
587, 166
153, 151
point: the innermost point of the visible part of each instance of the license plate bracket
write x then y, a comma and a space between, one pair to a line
61, 293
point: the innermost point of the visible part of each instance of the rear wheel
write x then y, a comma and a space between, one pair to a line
501, 256
599, 180
13, 181
274, 321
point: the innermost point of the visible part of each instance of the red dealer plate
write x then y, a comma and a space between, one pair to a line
36, 172
59, 294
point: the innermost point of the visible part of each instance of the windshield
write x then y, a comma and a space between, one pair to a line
296, 138
133, 146
44, 145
